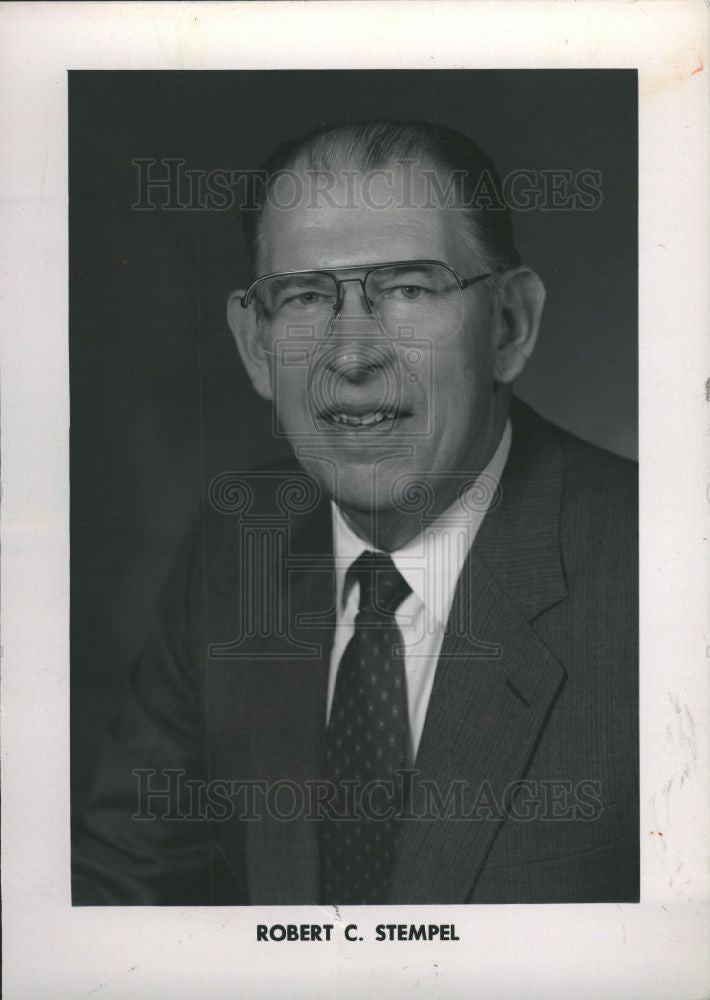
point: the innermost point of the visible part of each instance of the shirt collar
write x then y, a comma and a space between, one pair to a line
431, 563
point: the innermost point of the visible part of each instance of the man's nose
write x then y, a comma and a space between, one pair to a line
353, 303
357, 348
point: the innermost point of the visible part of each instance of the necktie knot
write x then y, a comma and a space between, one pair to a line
382, 586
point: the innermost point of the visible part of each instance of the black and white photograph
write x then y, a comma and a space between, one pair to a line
354, 593
353, 524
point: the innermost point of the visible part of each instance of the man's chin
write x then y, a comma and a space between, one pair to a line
364, 496
356, 484
384, 510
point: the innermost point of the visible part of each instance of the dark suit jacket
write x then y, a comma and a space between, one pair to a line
531, 727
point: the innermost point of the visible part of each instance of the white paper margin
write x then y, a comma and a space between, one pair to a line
657, 949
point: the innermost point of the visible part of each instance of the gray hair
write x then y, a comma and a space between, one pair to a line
374, 145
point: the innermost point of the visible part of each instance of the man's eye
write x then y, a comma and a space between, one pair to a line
305, 299
408, 292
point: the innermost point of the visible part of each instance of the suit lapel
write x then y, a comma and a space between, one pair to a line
494, 687
288, 705
496, 680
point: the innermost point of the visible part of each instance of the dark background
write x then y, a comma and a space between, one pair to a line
159, 402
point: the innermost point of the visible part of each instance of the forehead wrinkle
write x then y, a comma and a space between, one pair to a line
347, 237
462, 248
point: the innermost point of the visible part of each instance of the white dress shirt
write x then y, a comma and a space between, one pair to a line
431, 564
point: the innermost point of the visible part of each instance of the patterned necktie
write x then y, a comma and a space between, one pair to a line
367, 742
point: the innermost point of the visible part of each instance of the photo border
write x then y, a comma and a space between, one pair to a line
654, 949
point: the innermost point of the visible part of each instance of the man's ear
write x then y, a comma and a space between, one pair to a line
521, 297
244, 326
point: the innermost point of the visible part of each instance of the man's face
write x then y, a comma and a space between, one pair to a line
369, 410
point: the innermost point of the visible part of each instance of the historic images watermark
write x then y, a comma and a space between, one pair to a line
270, 568
169, 184
310, 357
168, 794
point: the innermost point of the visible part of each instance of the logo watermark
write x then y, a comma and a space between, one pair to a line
169, 794
169, 184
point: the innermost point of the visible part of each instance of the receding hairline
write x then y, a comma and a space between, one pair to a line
428, 166
383, 144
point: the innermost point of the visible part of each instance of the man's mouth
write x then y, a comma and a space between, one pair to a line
359, 420
362, 420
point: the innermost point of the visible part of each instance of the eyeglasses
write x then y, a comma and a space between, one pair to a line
399, 294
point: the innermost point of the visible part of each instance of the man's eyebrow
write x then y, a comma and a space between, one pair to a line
399, 266
415, 267
302, 277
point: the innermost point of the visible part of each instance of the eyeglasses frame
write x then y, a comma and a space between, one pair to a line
462, 283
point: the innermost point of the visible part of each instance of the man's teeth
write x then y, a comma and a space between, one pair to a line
364, 421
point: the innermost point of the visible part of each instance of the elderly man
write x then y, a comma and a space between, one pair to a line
402, 669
